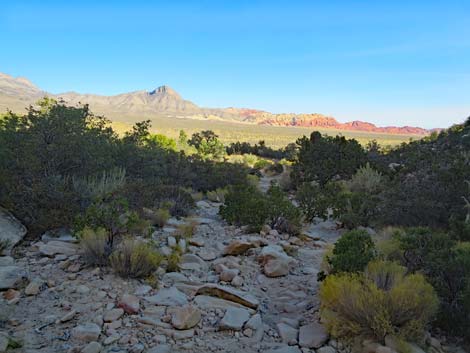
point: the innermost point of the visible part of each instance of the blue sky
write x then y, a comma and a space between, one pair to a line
387, 62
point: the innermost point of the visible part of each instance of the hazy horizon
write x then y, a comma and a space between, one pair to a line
388, 64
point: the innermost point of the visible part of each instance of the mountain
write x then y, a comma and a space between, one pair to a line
18, 93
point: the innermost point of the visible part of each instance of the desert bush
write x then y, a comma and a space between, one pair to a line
186, 230
315, 200
366, 180
245, 205
217, 195
352, 252
134, 258
99, 186
262, 163
174, 260
383, 301
282, 214
197, 196
446, 264
95, 246
160, 216
111, 214
388, 244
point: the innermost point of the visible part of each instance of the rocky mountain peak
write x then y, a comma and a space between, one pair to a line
165, 90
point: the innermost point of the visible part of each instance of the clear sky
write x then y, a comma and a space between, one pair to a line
387, 62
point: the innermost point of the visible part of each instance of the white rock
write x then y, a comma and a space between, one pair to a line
168, 297
234, 319
113, 315
92, 347
55, 247
185, 317
312, 335
11, 276
287, 333
11, 230
86, 332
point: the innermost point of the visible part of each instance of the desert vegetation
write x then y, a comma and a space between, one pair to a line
400, 269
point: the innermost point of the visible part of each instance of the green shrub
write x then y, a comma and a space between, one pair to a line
383, 301
245, 205
315, 201
366, 180
95, 246
160, 217
174, 260
133, 258
262, 163
217, 195
352, 252
186, 230
446, 264
324, 158
282, 214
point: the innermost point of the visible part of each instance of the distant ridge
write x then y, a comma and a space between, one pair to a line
18, 93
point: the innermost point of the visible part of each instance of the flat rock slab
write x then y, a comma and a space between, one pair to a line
234, 319
86, 332
207, 303
168, 297
229, 293
312, 335
11, 276
11, 230
55, 247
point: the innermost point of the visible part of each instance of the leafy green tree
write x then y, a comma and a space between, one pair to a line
208, 145
324, 158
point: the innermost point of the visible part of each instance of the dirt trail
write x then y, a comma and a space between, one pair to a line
69, 296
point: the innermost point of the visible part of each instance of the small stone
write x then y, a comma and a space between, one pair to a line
312, 335
142, 290
82, 289
185, 317
287, 333
33, 288
130, 303
69, 316
113, 315
171, 241
234, 319
182, 335
238, 247
111, 339
229, 274
255, 322
11, 294
237, 281
92, 347
86, 332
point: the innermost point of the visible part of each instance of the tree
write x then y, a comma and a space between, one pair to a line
325, 158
